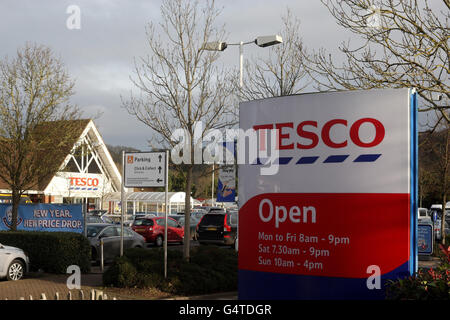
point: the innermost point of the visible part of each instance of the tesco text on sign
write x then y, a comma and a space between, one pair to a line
305, 130
341, 203
83, 182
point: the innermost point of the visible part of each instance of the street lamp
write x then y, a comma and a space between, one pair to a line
263, 41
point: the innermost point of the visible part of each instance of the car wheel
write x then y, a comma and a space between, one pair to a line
15, 270
159, 241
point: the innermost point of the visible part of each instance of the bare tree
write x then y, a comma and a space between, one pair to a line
283, 72
405, 44
435, 166
179, 84
441, 151
34, 109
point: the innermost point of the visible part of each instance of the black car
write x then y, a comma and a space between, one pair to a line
218, 228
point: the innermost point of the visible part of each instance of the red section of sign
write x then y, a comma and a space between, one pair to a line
333, 235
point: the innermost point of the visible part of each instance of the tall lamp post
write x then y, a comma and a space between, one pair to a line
263, 41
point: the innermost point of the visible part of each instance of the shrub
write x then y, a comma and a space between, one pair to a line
52, 252
125, 271
210, 270
429, 285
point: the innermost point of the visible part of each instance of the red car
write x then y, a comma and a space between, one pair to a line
152, 229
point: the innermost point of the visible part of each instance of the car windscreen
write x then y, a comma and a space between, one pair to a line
92, 231
107, 220
213, 220
93, 219
143, 222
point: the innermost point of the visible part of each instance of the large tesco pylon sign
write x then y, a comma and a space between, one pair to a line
337, 220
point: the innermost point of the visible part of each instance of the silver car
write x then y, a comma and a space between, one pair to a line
14, 263
110, 235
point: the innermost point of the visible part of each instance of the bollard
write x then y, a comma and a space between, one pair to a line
98, 295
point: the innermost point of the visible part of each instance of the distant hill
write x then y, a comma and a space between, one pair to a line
116, 153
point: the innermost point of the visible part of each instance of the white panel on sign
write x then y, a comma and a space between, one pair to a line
145, 169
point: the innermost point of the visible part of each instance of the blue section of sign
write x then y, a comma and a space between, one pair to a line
307, 160
253, 286
44, 217
414, 165
283, 160
313, 159
223, 194
367, 158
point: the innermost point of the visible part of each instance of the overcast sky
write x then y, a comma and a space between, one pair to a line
99, 56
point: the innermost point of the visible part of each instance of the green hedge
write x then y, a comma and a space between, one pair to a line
211, 269
52, 252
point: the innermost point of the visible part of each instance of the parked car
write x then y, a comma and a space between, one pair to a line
110, 234
99, 216
152, 229
218, 228
193, 223
14, 263
422, 213
198, 214
216, 209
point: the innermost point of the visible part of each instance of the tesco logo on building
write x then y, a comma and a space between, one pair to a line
84, 182
312, 134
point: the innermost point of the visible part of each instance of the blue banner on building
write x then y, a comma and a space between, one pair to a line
44, 217
226, 187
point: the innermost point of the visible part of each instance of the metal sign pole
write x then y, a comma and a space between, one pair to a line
122, 198
166, 213
83, 208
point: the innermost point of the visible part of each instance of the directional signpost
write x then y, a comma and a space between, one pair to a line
146, 170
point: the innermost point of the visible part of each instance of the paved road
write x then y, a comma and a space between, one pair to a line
36, 284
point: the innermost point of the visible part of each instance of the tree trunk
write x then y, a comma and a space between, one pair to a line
15, 197
187, 214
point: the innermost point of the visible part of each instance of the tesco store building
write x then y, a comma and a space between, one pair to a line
86, 175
